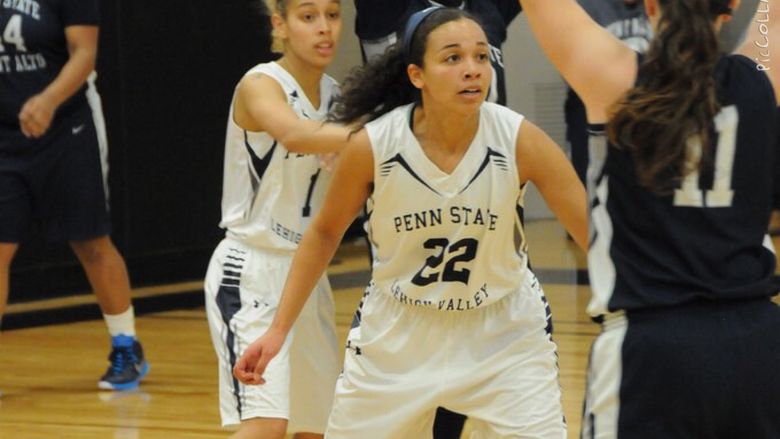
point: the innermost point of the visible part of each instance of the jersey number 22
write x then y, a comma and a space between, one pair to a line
454, 255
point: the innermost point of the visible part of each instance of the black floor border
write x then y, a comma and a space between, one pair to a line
91, 311
195, 299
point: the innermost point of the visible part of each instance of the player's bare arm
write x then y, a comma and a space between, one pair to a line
261, 105
541, 161
346, 196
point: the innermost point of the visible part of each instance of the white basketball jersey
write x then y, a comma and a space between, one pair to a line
269, 194
451, 242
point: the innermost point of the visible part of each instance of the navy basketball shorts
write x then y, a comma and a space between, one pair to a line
703, 370
58, 185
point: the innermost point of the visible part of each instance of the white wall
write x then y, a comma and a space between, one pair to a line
348, 54
534, 87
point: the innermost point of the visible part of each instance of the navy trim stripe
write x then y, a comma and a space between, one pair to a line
260, 165
230, 281
229, 303
490, 153
548, 311
387, 166
358, 317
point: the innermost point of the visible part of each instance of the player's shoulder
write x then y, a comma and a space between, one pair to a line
740, 62
398, 115
268, 70
329, 81
262, 83
741, 74
495, 112
260, 79
385, 131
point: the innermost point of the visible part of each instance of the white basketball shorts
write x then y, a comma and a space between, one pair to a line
497, 365
243, 286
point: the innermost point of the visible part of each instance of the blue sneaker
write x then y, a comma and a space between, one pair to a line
128, 364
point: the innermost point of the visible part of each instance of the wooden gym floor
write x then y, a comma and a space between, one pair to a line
48, 374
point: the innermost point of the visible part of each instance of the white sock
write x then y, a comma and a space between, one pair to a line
121, 324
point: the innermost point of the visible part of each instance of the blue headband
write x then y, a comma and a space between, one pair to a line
411, 27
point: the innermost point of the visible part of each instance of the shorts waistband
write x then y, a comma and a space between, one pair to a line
285, 254
696, 306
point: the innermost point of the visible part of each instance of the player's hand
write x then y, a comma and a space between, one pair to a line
36, 116
250, 367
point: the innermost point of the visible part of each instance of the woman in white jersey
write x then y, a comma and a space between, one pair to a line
272, 188
453, 317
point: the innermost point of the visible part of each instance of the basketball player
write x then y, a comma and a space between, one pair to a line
53, 159
378, 24
453, 317
683, 165
272, 188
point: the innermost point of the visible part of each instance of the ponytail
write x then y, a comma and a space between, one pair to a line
675, 98
374, 89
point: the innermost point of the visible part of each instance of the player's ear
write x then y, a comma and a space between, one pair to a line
733, 4
279, 26
651, 8
415, 75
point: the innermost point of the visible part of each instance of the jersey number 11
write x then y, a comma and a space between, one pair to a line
690, 194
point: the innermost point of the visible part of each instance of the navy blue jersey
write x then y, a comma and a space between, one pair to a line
33, 50
707, 238
627, 22
378, 23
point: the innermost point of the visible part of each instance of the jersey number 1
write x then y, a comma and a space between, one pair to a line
721, 194
306, 212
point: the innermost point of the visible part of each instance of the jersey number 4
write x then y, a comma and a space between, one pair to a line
462, 251
13, 34
690, 194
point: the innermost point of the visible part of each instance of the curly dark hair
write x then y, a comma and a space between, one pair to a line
382, 84
675, 98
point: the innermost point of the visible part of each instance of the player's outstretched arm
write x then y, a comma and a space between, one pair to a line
261, 105
346, 196
598, 66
